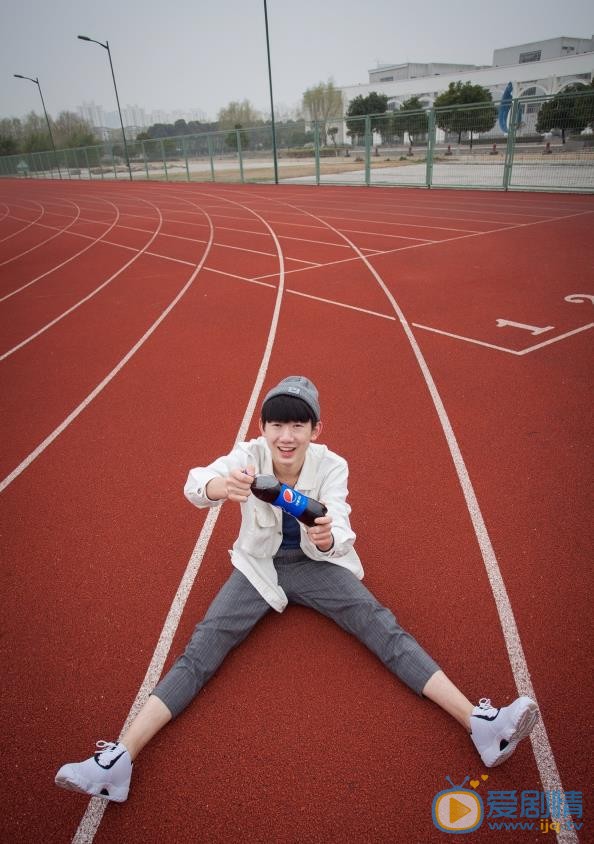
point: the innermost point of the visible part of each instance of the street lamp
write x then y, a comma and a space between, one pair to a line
271, 100
49, 128
106, 46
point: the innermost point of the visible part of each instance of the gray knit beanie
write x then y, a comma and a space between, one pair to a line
299, 387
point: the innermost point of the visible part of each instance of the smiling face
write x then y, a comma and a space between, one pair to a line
288, 442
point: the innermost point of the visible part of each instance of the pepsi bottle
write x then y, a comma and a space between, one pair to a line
268, 488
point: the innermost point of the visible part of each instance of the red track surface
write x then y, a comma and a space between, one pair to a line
302, 736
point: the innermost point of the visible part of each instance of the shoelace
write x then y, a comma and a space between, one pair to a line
485, 703
104, 747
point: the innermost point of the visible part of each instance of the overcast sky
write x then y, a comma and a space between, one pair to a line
193, 54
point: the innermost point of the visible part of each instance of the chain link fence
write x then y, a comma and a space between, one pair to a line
532, 143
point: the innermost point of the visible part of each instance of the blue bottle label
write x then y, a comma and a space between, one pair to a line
291, 501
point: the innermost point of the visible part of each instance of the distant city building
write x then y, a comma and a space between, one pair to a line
134, 115
135, 118
92, 113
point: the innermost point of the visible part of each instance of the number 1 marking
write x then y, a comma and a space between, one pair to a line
533, 329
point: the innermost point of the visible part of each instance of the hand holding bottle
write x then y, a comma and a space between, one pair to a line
234, 487
321, 533
239, 484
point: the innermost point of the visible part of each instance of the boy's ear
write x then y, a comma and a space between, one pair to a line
316, 431
261, 426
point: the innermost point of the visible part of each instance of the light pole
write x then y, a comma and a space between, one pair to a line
106, 46
271, 100
49, 128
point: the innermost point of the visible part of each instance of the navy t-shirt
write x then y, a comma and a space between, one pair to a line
291, 532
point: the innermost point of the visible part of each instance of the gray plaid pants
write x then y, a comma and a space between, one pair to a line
332, 590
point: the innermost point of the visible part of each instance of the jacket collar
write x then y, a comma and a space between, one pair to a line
307, 478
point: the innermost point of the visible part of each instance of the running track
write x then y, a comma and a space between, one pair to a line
450, 336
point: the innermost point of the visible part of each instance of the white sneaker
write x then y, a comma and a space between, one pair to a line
106, 774
496, 732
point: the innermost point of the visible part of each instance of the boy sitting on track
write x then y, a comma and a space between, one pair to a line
277, 561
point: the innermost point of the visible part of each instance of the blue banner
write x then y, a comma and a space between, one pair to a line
504, 107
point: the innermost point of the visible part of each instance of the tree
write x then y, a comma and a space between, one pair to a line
8, 145
323, 103
292, 133
71, 131
35, 136
11, 133
410, 118
160, 130
451, 116
374, 104
11, 127
180, 127
572, 109
231, 138
238, 112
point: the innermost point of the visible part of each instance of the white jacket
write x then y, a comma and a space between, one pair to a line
323, 477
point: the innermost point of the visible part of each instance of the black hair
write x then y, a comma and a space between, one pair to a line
287, 409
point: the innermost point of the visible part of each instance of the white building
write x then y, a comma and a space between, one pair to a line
536, 51
540, 67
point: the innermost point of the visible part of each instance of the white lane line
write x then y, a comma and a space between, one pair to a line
414, 324
240, 277
96, 808
501, 225
442, 214
340, 304
392, 223
466, 339
287, 237
47, 240
59, 266
452, 210
257, 252
83, 300
556, 339
219, 245
456, 211
304, 295
426, 244
399, 236
519, 353
543, 752
219, 228
158, 255
29, 222
59, 228
101, 386
330, 210
102, 239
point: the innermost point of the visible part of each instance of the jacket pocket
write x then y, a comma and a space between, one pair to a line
264, 515
260, 533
